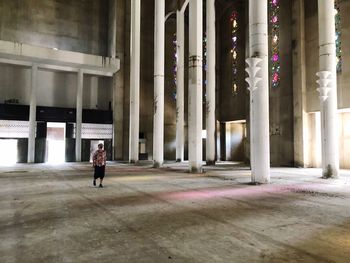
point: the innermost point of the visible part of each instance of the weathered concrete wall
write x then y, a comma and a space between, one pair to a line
234, 107
312, 66
22, 150
344, 138
281, 98
311, 56
146, 76
314, 142
55, 89
234, 141
169, 91
126, 106
301, 156
344, 76
147, 81
14, 83
74, 25
119, 83
147, 69
79, 25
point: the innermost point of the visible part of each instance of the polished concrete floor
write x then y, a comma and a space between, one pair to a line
54, 214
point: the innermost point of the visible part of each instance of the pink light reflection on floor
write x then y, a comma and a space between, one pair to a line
246, 192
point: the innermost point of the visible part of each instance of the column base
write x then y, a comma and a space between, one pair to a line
157, 164
260, 179
329, 173
260, 182
254, 183
178, 160
196, 170
210, 162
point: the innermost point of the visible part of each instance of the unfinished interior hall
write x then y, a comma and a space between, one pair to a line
225, 125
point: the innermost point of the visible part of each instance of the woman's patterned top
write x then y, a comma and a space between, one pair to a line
99, 158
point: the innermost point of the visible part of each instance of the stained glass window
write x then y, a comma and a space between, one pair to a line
175, 66
234, 50
275, 42
205, 66
338, 35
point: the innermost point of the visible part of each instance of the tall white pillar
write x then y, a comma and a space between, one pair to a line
180, 86
328, 89
159, 50
210, 103
32, 114
135, 81
195, 86
79, 115
259, 91
112, 28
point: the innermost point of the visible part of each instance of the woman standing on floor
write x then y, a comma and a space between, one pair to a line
99, 163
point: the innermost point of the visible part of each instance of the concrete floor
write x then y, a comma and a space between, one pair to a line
53, 214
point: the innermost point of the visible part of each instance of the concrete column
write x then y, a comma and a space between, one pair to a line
210, 103
79, 115
112, 28
328, 89
259, 91
119, 85
94, 92
180, 86
159, 50
135, 81
195, 86
32, 114
301, 153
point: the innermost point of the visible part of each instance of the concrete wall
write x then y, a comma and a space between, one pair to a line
147, 66
235, 135
235, 107
126, 108
147, 80
344, 139
281, 98
119, 80
170, 91
312, 66
79, 25
314, 142
14, 83
55, 89
232, 106
82, 26
344, 78
311, 56
313, 139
